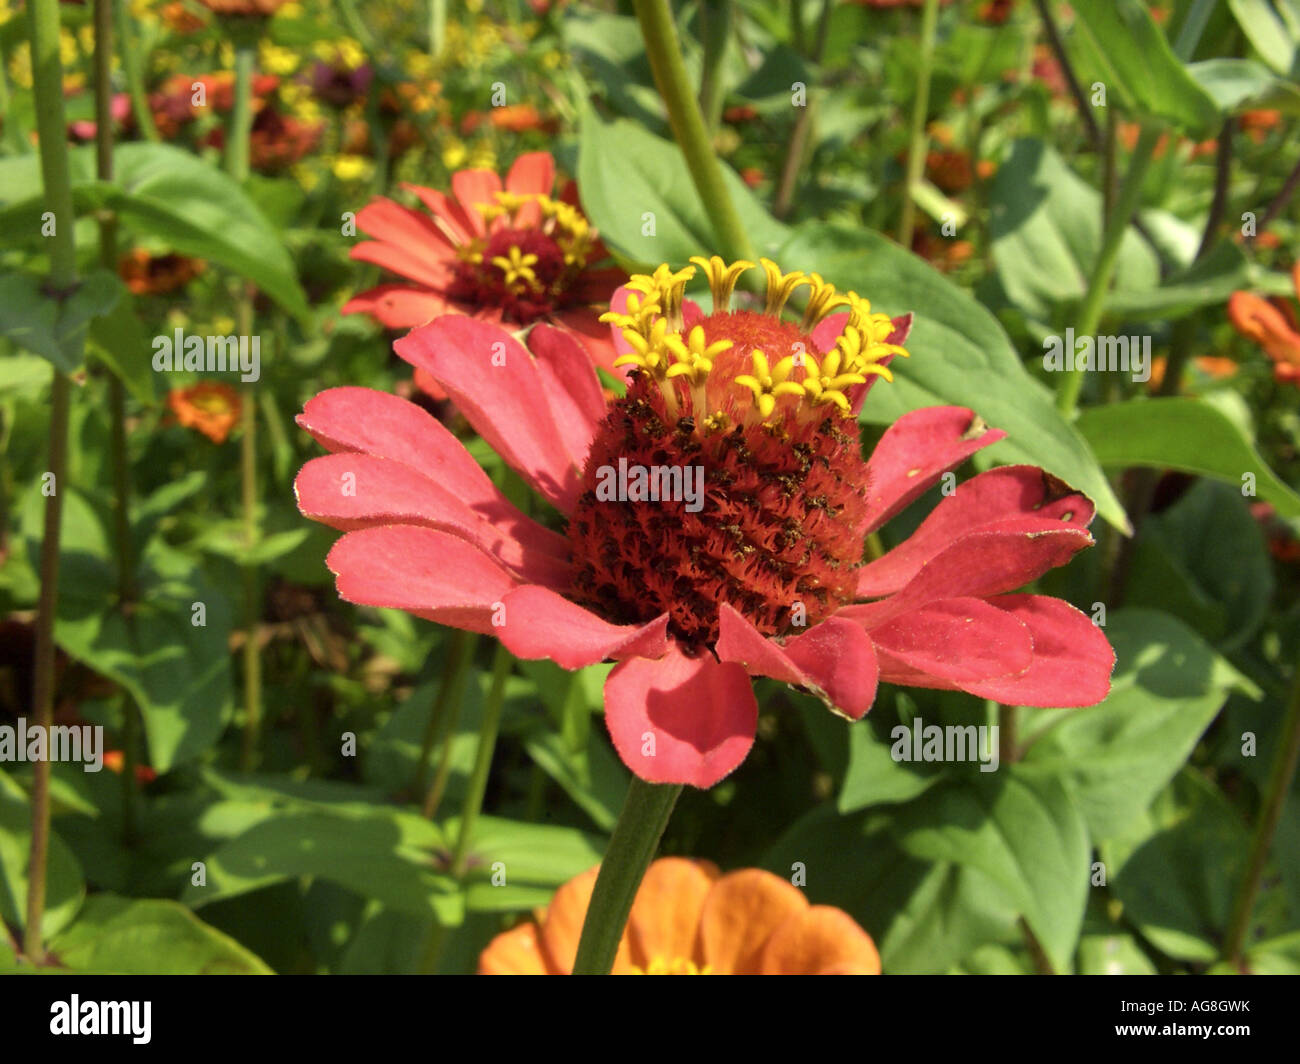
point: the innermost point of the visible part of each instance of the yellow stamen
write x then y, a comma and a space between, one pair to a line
820, 302
518, 269
780, 286
722, 278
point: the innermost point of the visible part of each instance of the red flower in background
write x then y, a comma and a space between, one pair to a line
504, 253
764, 577
1272, 325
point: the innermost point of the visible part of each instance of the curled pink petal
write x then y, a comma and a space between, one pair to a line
960, 641
539, 623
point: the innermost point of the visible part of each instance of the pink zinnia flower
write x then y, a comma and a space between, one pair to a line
508, 254
765, 577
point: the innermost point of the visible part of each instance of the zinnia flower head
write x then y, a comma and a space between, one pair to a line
1272, 325
209, 407
503, 252
688, 919
147, 274
716, 514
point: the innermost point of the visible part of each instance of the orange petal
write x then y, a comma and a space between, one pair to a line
665, 917
514, 952
562, 926
742, 911
822, 940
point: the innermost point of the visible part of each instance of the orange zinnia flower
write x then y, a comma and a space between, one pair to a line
1272, 325
245, 8
147, 274
690, 920
208, 407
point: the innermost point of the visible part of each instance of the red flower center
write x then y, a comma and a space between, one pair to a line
715, 502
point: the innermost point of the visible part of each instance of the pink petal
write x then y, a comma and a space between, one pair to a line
959, 641
542, 624
472, 187
384, 492
998, 558
918, 449
425, 572
398, 306
503, 397
571, 387
449, 216
680, 719
834, 660
406, 241
360, 419
1009, 491
594, 335
532, 174
1072, 662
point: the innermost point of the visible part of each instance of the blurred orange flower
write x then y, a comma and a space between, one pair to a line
690, 920
245, 8
207, 407
1271, 324
147, 274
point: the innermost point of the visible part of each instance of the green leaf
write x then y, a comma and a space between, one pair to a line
874, 777
1021, 830
1045, 224
1273, 30
1185, 434
130, 936
119, 340
1116, 756
631, 180
1117, 43
960, 355
385, 854
55, 329
1207, 282
1177, 869
65, 889
1276, 956
1239, 85
163, 191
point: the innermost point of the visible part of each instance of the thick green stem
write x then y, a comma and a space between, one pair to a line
684, 116
1275, 795
1090, 311
918, 141
437, 26
636, 838
487, 744
716, 18
51, 123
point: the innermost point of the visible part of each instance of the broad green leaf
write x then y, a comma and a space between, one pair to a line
1045, 224
65, 889
1273, 29
960, 355
637, 191
529, 854
165, 192
1276, 956
1177, 869
149, 936
1117, 43
385, 854
1185, 434
1021, 830
874, 777
1207, 282
1116, 756
594, 778
118, 339
1242, 85
55, 329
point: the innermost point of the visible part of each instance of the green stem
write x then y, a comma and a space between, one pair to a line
640, 826
1275, 795
131, 68
797, 153
1090, 311
1193, 26
918, 141
51, 124
716, 18
456, 699
487, 742
687, 122
237, 165
437, 27
457, 656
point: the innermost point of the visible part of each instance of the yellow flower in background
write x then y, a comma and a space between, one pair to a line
276, 60
352, 167
454, 154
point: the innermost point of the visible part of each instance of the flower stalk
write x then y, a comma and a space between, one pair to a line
918, 140
665, 55
487, 742
47, 83
636, 838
